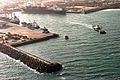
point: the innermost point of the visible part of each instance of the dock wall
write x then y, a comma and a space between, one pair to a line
31, 61
35, 40
91, 8
111, 6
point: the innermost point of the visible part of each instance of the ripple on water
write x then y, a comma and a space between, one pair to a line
87, 55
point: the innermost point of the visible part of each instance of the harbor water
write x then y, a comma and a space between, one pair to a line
87, 55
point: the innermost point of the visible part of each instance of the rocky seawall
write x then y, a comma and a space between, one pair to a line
31, 61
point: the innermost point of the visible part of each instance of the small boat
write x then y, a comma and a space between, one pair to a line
102, 32
66, 37
35, 25
98, 29
45, 30
24, 24
15, 20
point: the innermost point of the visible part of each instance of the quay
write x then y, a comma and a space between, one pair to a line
27, 35
89, 8
12, 35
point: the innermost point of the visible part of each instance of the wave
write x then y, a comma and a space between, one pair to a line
81, 23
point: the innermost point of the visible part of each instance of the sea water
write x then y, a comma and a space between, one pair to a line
87, 55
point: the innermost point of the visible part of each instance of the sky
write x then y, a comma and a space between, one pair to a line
3, 0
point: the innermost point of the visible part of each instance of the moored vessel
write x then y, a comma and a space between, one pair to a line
41, 9
15, 20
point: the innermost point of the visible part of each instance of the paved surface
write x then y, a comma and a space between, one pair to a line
23, 31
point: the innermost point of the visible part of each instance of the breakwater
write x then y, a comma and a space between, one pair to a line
32, 61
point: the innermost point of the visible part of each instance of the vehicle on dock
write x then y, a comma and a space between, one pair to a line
4, 25
98, 29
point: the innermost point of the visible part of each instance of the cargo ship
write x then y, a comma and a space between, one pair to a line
43, 10
33, 9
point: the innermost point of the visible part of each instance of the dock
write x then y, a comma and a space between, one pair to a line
32, 35
12, 35
89, 9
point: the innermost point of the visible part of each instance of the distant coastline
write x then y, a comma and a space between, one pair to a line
76, 6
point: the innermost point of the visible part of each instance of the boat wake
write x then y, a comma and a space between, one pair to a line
82, 24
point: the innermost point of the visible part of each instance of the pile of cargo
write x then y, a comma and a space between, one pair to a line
8, 37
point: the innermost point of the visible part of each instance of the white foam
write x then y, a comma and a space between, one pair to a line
81, 23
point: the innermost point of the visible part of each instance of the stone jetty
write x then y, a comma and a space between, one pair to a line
32, 61
12, 35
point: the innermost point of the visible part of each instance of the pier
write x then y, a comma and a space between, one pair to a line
12, 35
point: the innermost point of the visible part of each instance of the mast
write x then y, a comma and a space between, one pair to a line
33, 3
41, 3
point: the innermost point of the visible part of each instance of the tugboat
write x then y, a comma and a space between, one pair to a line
15, 20
98, 29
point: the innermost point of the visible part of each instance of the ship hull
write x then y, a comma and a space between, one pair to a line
42, 11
